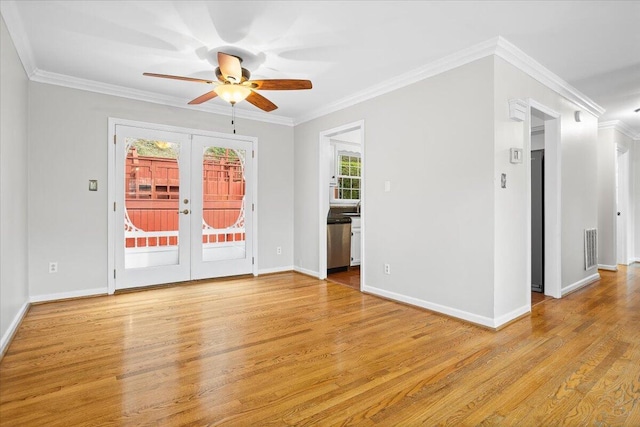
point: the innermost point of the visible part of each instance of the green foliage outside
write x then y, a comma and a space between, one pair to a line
349, 166
349, 178
150, 148
170, 150
218, 152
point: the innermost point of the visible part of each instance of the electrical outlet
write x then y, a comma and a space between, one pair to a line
387, 269
279, 250
53, 267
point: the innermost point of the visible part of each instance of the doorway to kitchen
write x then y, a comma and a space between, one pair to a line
342, 206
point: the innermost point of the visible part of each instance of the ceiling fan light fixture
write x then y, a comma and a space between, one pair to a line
232, 93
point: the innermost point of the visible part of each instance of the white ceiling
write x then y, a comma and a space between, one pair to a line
343, 47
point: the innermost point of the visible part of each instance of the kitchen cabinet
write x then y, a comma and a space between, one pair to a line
355, 241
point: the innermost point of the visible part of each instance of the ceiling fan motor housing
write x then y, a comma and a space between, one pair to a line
246, 75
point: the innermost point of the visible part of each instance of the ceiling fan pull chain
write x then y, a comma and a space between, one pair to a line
233, 117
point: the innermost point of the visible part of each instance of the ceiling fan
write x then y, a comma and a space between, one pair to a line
233, 84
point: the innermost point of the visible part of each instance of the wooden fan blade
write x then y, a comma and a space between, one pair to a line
187, 79
280, 84
230, 67
261, 102
202, 98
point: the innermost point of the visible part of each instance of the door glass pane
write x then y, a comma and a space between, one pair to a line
223, 199
152, 201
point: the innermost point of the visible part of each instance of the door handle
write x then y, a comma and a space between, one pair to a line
186, 212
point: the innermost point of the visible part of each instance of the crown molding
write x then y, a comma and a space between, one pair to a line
621, 127
534, 69
434, 68
15, 26
497, 46
47, 77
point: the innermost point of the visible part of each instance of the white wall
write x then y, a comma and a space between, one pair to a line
456, 241
13, 187
68, 146
578, 187
434, 141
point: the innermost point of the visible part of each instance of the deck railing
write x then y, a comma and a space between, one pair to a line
210, 237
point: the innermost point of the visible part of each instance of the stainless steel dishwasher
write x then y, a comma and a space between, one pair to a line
338, 242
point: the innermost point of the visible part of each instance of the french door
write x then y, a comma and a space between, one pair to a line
183, 206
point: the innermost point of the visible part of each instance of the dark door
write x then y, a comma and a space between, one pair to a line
537, 220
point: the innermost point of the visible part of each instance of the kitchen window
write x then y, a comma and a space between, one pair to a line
348, 176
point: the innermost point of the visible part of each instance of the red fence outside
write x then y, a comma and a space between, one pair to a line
152, 189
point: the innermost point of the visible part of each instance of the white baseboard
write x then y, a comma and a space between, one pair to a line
508, 317
275, 270
67, 295
580, 284
305, 271
13, 327
449, 311
607, 267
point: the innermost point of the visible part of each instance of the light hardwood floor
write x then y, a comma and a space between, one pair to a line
288, 349
350, 278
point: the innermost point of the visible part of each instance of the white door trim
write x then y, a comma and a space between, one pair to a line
622, 249
552, 200
323, 191
111, 177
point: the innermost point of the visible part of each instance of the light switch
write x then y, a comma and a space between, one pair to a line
503, 180
515, 155
93, 185
387, 186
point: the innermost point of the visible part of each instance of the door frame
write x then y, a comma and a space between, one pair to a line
324, 142
542, 285
622, 204
552, 200
111, 179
